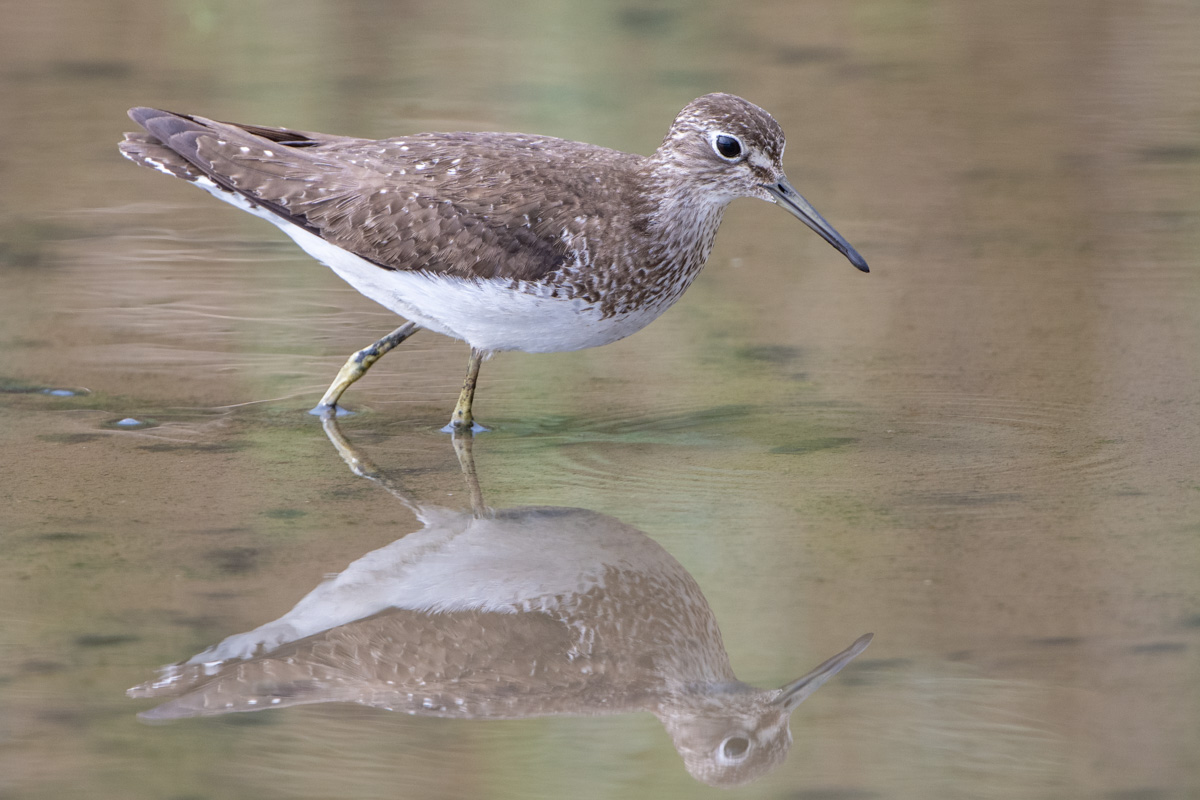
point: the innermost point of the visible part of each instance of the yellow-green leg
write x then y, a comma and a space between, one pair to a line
357, 365
462, 421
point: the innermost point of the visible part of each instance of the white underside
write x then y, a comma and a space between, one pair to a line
526, 559
485, 313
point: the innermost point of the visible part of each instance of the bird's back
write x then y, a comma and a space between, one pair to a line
469, 205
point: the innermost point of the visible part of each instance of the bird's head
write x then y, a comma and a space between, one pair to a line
728, 147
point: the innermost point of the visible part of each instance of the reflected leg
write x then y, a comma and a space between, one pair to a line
466, 460
357, 365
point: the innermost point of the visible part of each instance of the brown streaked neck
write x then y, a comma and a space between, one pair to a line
678, 215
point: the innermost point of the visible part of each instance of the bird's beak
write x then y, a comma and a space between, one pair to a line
786, 196
798, 691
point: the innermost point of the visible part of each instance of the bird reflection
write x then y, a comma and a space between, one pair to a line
504, 614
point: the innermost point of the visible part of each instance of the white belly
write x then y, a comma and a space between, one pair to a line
485, 313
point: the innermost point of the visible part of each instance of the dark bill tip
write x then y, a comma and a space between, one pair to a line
800, 208
799, 690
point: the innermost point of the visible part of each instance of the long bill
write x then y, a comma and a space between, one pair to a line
787, 196
799, 690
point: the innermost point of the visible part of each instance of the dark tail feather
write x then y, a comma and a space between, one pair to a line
179, 132
172, 144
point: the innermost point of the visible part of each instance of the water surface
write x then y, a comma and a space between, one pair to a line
986, 451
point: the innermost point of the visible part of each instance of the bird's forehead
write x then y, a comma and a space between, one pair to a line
726, 113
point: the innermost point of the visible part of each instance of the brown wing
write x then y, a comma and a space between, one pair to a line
471, 205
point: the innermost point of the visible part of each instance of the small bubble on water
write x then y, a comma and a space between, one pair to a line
129, 422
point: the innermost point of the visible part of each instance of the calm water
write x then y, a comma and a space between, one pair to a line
986, 452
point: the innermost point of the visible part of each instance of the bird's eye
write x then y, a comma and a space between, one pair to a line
727, 146
735, 748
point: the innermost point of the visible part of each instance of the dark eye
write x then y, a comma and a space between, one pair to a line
734, 748
728, 146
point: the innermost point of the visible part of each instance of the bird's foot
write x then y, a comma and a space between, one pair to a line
471, 429
325, 410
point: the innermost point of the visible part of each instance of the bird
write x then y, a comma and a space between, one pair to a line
505, 613
506, 241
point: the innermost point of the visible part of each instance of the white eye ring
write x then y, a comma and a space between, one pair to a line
734, 750
727, 146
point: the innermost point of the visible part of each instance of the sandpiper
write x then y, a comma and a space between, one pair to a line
507, 241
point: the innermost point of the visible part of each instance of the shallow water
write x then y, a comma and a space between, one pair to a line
986, 451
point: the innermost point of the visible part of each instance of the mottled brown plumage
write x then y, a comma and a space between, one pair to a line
422, 203
507, 241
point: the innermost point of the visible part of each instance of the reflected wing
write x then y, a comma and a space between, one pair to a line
458, 664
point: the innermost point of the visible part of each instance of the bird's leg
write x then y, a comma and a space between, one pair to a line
462, 421
357, 365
